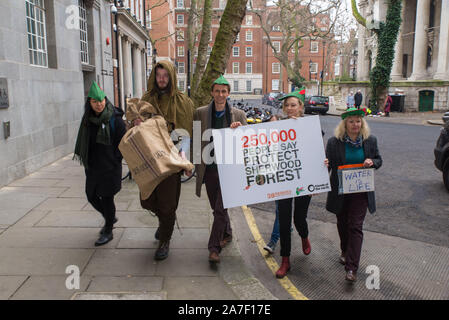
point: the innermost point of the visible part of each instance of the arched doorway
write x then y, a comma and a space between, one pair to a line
426, 100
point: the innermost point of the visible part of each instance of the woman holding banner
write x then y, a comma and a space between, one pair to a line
352, 144
293, 107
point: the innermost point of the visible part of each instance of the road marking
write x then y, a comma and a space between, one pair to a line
270, 261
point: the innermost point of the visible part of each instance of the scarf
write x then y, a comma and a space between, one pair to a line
103, 133
356, 144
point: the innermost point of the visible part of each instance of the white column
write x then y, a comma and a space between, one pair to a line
127, 69
137, 72
361, 59
143, 70
420, 49
396, 71
443, 43
121, 64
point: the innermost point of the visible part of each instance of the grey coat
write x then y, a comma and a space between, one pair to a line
335, 152
204, 114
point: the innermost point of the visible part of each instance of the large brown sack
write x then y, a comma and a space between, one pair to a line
151, 154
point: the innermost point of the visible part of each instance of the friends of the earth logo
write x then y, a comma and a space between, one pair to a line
299, 190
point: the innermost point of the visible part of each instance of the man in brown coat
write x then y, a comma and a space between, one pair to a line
218, 114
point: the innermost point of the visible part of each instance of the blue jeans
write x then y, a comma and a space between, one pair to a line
275, 233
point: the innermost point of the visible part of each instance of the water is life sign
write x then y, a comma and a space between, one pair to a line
355, 179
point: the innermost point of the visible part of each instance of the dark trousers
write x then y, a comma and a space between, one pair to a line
350, 224
164, 202
299, 219
104, 205
221, 227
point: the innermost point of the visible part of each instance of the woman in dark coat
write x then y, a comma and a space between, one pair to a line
101, 130
352, 144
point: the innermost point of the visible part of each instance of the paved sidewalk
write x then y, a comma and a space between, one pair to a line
46, 225
419, 118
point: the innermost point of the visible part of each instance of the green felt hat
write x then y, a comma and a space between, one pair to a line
221, 80
96, 93
300, 94
353, 112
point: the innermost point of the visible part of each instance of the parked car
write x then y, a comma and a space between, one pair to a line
446, 116
272, 99
318, 104
442, 154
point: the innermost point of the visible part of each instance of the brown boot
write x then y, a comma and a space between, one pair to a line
306, 248
214, 257
285, 267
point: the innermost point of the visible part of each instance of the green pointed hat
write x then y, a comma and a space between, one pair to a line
300, 94
96, 93
353, 112
221, 80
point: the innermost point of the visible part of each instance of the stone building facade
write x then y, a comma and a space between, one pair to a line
421, 64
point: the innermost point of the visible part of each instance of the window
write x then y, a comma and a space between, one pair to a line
235, 51
222, 4
181, 51
180, 4
148, 19
83, 32
180, 36
181, 68
249, 67
314, 46
277, 46
276, 28
238, 37
323, 29
275, 67
181, 85
209, 50
275, 85
37, 39
249, 36
248, 85
235, 67
180, 19
249, 51
313, 67
210, 36
249, 20
236, 85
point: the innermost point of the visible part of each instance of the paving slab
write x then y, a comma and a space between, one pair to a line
45, 261
35, 191
48, 288
197, 288
76, 219
144, 238
31, 218
13, 199
125, 284
73, 192
71, 181
9, 285
119, 205
62, 204
192, 218
120, 296
123, 262
83, 238
34, 182
10, 216
186, 262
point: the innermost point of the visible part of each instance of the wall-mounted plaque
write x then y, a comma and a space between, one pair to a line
4, 100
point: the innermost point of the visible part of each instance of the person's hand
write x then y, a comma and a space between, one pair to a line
326, 162
368, 163
137, 122
235, 124
182, 154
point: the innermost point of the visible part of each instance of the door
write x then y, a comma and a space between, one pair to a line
426, 100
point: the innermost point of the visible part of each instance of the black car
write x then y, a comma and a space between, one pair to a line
318, 104
442, 154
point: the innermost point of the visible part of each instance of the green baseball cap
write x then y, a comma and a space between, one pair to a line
96, 93
300, 94
353, 112
221, 80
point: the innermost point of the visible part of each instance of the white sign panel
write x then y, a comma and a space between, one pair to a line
271, 161
356, 180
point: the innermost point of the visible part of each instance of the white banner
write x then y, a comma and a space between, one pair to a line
271, 161
356, 180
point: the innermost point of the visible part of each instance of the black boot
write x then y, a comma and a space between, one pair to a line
162, 251
105, 237
156, 235
104, 227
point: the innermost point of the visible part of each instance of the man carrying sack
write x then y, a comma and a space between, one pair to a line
218, 114
176, 108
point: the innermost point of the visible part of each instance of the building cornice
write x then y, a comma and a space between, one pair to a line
126, 17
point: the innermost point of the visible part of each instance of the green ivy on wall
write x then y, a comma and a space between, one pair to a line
386, 38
